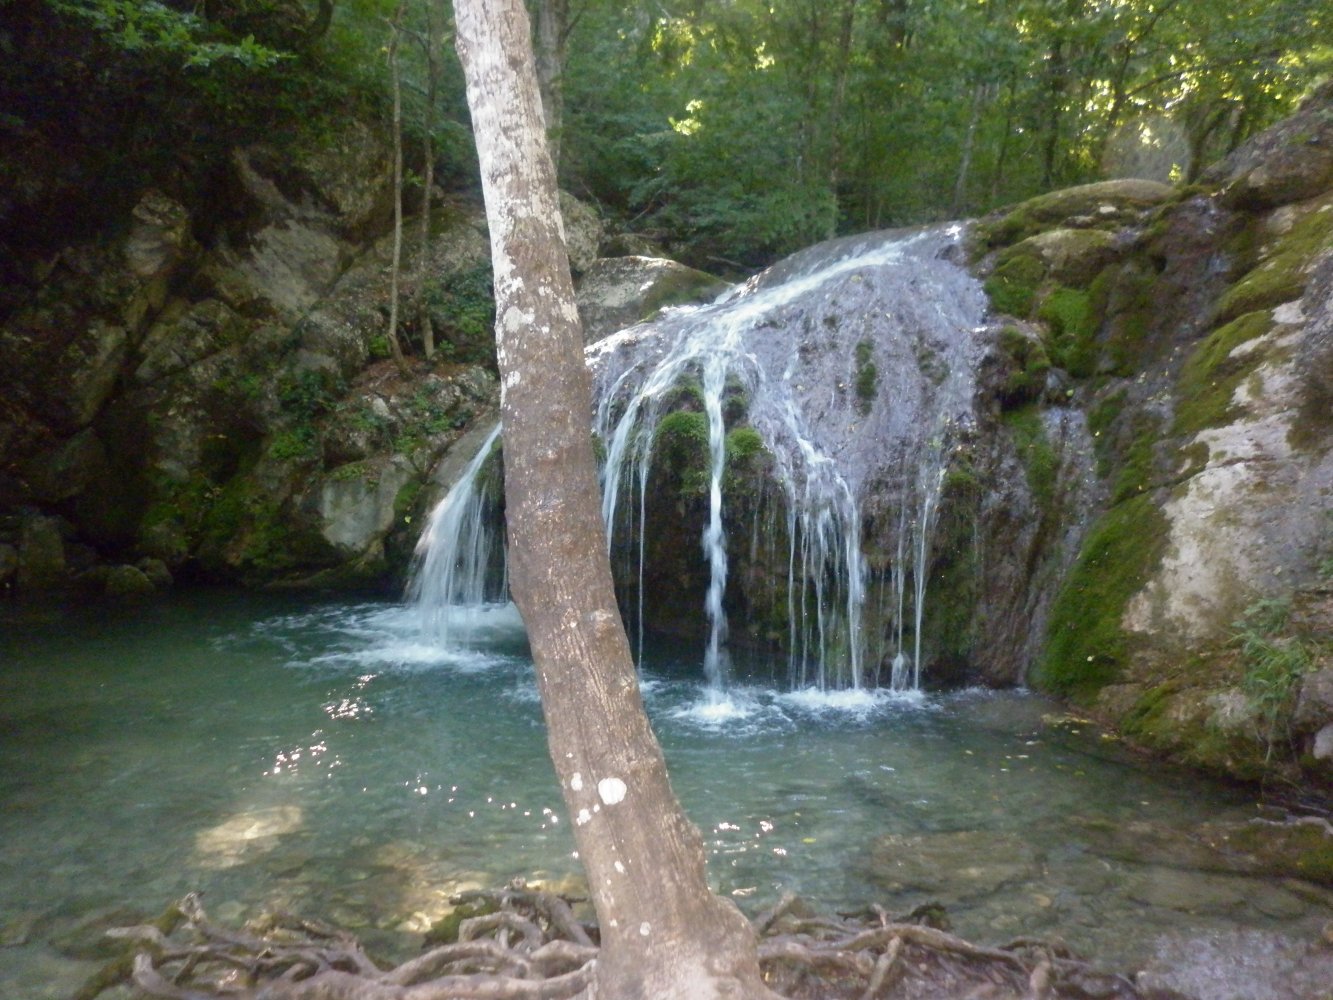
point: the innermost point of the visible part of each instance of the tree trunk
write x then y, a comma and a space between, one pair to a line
979, 91
552, 33
396, 29
664, 934
840, 72
319, 24
434, 41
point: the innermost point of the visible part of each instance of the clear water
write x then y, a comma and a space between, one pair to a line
326, 759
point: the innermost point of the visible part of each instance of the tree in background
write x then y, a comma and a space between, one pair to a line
732, 133
744, 130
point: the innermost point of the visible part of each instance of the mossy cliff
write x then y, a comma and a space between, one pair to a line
212, 393
204, 381
1194, 328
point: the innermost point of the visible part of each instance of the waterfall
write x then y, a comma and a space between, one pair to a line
460, 564
853, 362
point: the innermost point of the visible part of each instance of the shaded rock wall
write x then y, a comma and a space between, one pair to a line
220, 403
1195, 338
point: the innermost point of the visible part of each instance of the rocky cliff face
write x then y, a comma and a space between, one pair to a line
220, 405
1195, 329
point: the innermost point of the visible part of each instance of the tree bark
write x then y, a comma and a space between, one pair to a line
434, 41
969, 143
664, 934
396, 30
552, 33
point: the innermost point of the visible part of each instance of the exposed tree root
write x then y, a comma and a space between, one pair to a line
531, 947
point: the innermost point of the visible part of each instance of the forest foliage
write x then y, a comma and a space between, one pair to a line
731, 131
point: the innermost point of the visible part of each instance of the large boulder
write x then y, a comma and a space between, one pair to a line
583, 231
1290, 162
616, 292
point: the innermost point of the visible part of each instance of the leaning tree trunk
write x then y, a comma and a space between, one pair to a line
664, 934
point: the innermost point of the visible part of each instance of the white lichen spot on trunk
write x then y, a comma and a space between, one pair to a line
576, 781
603, 621
612, 790
514, 321
583, 817
645, 928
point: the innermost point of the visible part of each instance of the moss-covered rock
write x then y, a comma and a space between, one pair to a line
1040, 461
1194, 718
616, 292
127, 581
1208, 381
1125, 299
1290, 162
1296, 849
1026, 366
1069, 316
1103, 205
1087, 644
1072, 256
1014, 283
1284, 260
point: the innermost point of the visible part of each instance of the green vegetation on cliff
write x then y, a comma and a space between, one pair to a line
1087, 647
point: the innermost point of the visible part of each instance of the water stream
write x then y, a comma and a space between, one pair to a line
329, 759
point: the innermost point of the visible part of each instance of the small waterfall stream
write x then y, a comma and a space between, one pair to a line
460, 568
853, 362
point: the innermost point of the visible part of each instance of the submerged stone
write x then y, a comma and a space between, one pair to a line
955, 866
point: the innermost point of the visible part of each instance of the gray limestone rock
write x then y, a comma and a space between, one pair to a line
616, 292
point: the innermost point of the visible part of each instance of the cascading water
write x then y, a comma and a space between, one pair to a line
854, 362
460, 561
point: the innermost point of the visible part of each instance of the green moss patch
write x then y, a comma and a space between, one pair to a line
1101, 420
1138, 466
1068, 314
1281, 273
1086, 647
1124, 297
867, 376
1040, 460
681, 444
1212, 374
681, 286
1012, 287
743, 444
1028, 367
